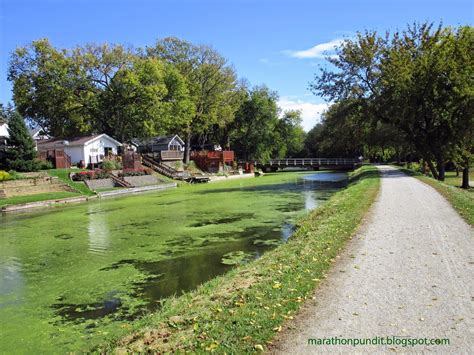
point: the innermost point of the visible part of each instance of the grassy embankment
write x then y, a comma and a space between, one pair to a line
63, 175
244, 309
462, 200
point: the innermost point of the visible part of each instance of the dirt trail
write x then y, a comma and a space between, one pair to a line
408, 273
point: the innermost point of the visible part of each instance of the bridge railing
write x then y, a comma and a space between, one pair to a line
307, 161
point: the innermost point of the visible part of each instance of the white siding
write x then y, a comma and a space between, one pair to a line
75, 152
4, 130
95, 149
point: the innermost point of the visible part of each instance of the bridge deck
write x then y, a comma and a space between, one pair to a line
308, 162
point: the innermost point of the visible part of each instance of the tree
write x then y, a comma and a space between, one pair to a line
212, 85
418, 81
290, 135
98, 89
45, 88
21, 152
254, 131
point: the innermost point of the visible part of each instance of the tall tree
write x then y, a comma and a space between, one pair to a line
254, 130
21, 152
418, 80
97, 89
211, 81
290, 135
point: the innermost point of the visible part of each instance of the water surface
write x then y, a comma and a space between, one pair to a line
73, 275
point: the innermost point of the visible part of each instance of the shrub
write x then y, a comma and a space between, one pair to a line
108, 165
45, 165
135, 172
4, 176
14, 175
90, 175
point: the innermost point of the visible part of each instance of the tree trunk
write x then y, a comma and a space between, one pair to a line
187, 148
457, 170
432, 168
465, 176
440, 165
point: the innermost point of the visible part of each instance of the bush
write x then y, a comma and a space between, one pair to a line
45, 165
135, 172
91, 175
4, 176
14, 175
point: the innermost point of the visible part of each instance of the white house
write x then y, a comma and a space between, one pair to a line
38, 134
86, 150
4, 130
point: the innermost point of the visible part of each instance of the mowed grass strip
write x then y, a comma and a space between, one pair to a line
462, 200
244, 309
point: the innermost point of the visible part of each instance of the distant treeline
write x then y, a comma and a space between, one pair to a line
400, 95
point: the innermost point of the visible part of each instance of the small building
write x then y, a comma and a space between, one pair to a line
38, 134
163, 147
83, 151
4, 135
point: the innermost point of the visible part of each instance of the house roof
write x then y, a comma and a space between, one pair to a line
160, 140
73, 141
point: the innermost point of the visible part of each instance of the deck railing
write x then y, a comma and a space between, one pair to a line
172, 155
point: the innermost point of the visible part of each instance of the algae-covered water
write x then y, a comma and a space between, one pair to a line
71, 276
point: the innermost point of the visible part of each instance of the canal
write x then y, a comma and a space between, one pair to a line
72, 276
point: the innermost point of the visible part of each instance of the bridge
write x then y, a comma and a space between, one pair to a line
314, 163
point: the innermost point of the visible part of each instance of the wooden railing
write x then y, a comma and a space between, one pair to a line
307, 162
171, 155
164, 169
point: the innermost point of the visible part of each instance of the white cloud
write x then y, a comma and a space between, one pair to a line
310, 112
318, 51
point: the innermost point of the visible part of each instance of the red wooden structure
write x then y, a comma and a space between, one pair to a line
58, 157
212, 160
131, 160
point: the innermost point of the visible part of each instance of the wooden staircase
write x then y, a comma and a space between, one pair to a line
120, 182
163, 169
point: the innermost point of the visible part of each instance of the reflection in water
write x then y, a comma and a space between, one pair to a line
309, 200
11, 281
98, 230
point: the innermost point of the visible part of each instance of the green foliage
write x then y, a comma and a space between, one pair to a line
4, 176
21, 153
211, 81
418, 82
107, 89
45, 165
254, 129
108, 165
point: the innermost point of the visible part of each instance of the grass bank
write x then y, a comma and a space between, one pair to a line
63, 176
244, 309
461, 200
37, 197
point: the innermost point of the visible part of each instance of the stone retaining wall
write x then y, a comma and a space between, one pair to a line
99, 184
24, 187
144, 180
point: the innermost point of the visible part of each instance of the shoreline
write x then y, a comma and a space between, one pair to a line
81, 199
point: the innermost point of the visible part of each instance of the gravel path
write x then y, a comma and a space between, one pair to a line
408, 273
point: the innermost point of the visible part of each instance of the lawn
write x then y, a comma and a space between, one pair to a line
453, 180
63, 175
38, 197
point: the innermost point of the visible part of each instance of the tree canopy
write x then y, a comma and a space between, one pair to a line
415, 86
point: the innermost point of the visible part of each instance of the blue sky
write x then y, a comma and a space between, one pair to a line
268, 42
